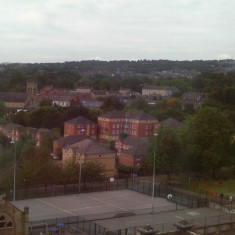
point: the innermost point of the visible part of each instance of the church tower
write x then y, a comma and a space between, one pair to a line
31, 88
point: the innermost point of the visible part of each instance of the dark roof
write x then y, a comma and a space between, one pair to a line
170, 122
90, 147
137, 151
11, 126
52, 133
16, 97
192, 95
69, 140
80, 120
143, 116
134, 141
113, 115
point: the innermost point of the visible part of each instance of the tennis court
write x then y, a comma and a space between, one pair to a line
94, 205
119, 211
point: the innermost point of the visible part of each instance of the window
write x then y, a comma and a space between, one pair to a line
5, 223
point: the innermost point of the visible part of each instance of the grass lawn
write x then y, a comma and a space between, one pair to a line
227, 188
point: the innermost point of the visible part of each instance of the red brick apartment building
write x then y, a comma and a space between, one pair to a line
112, 124
80, 126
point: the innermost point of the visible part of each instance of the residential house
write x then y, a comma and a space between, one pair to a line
142, 124
31, 131
171, 122
124, 92
132, 151
83, 89
65, 100
48, 92
90, 150
195, 99
42, 132
12, 131
95, 94
63, 142
92, 104
80, 126
112, 124
133, 157
15, 100
129, 141
159, 91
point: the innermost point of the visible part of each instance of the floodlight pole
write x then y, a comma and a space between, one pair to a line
14, 172
80, 157
154, 169
80, 175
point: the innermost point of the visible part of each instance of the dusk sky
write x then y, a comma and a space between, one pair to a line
73, 30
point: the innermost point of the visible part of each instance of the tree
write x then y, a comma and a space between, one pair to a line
167, 152
93, 171
47, 103
206, 140
112, 103
138, 104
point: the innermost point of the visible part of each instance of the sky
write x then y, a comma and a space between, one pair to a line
36, 31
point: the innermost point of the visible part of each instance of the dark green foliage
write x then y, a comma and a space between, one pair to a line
167, 152
112, 103
206, 140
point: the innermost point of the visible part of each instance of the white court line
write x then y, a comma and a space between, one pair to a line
179, 217
110, 204
56, 207
87, 207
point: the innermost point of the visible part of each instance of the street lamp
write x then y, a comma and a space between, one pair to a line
14, 173
154, 169
80, 161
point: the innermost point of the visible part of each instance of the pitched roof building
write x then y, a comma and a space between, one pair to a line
171, 122
80, 126
161, 91
196, 99
112, 124
132, 151
90, 150
15, 100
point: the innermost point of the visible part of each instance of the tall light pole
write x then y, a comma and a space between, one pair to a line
14, 173
80, 161
154, 169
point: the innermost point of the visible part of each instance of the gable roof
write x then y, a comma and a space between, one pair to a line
170, 122
134, 141
11, 126
69, 140
80, 120
16, 97
90, 147
143, 116
115, 114
137, 151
